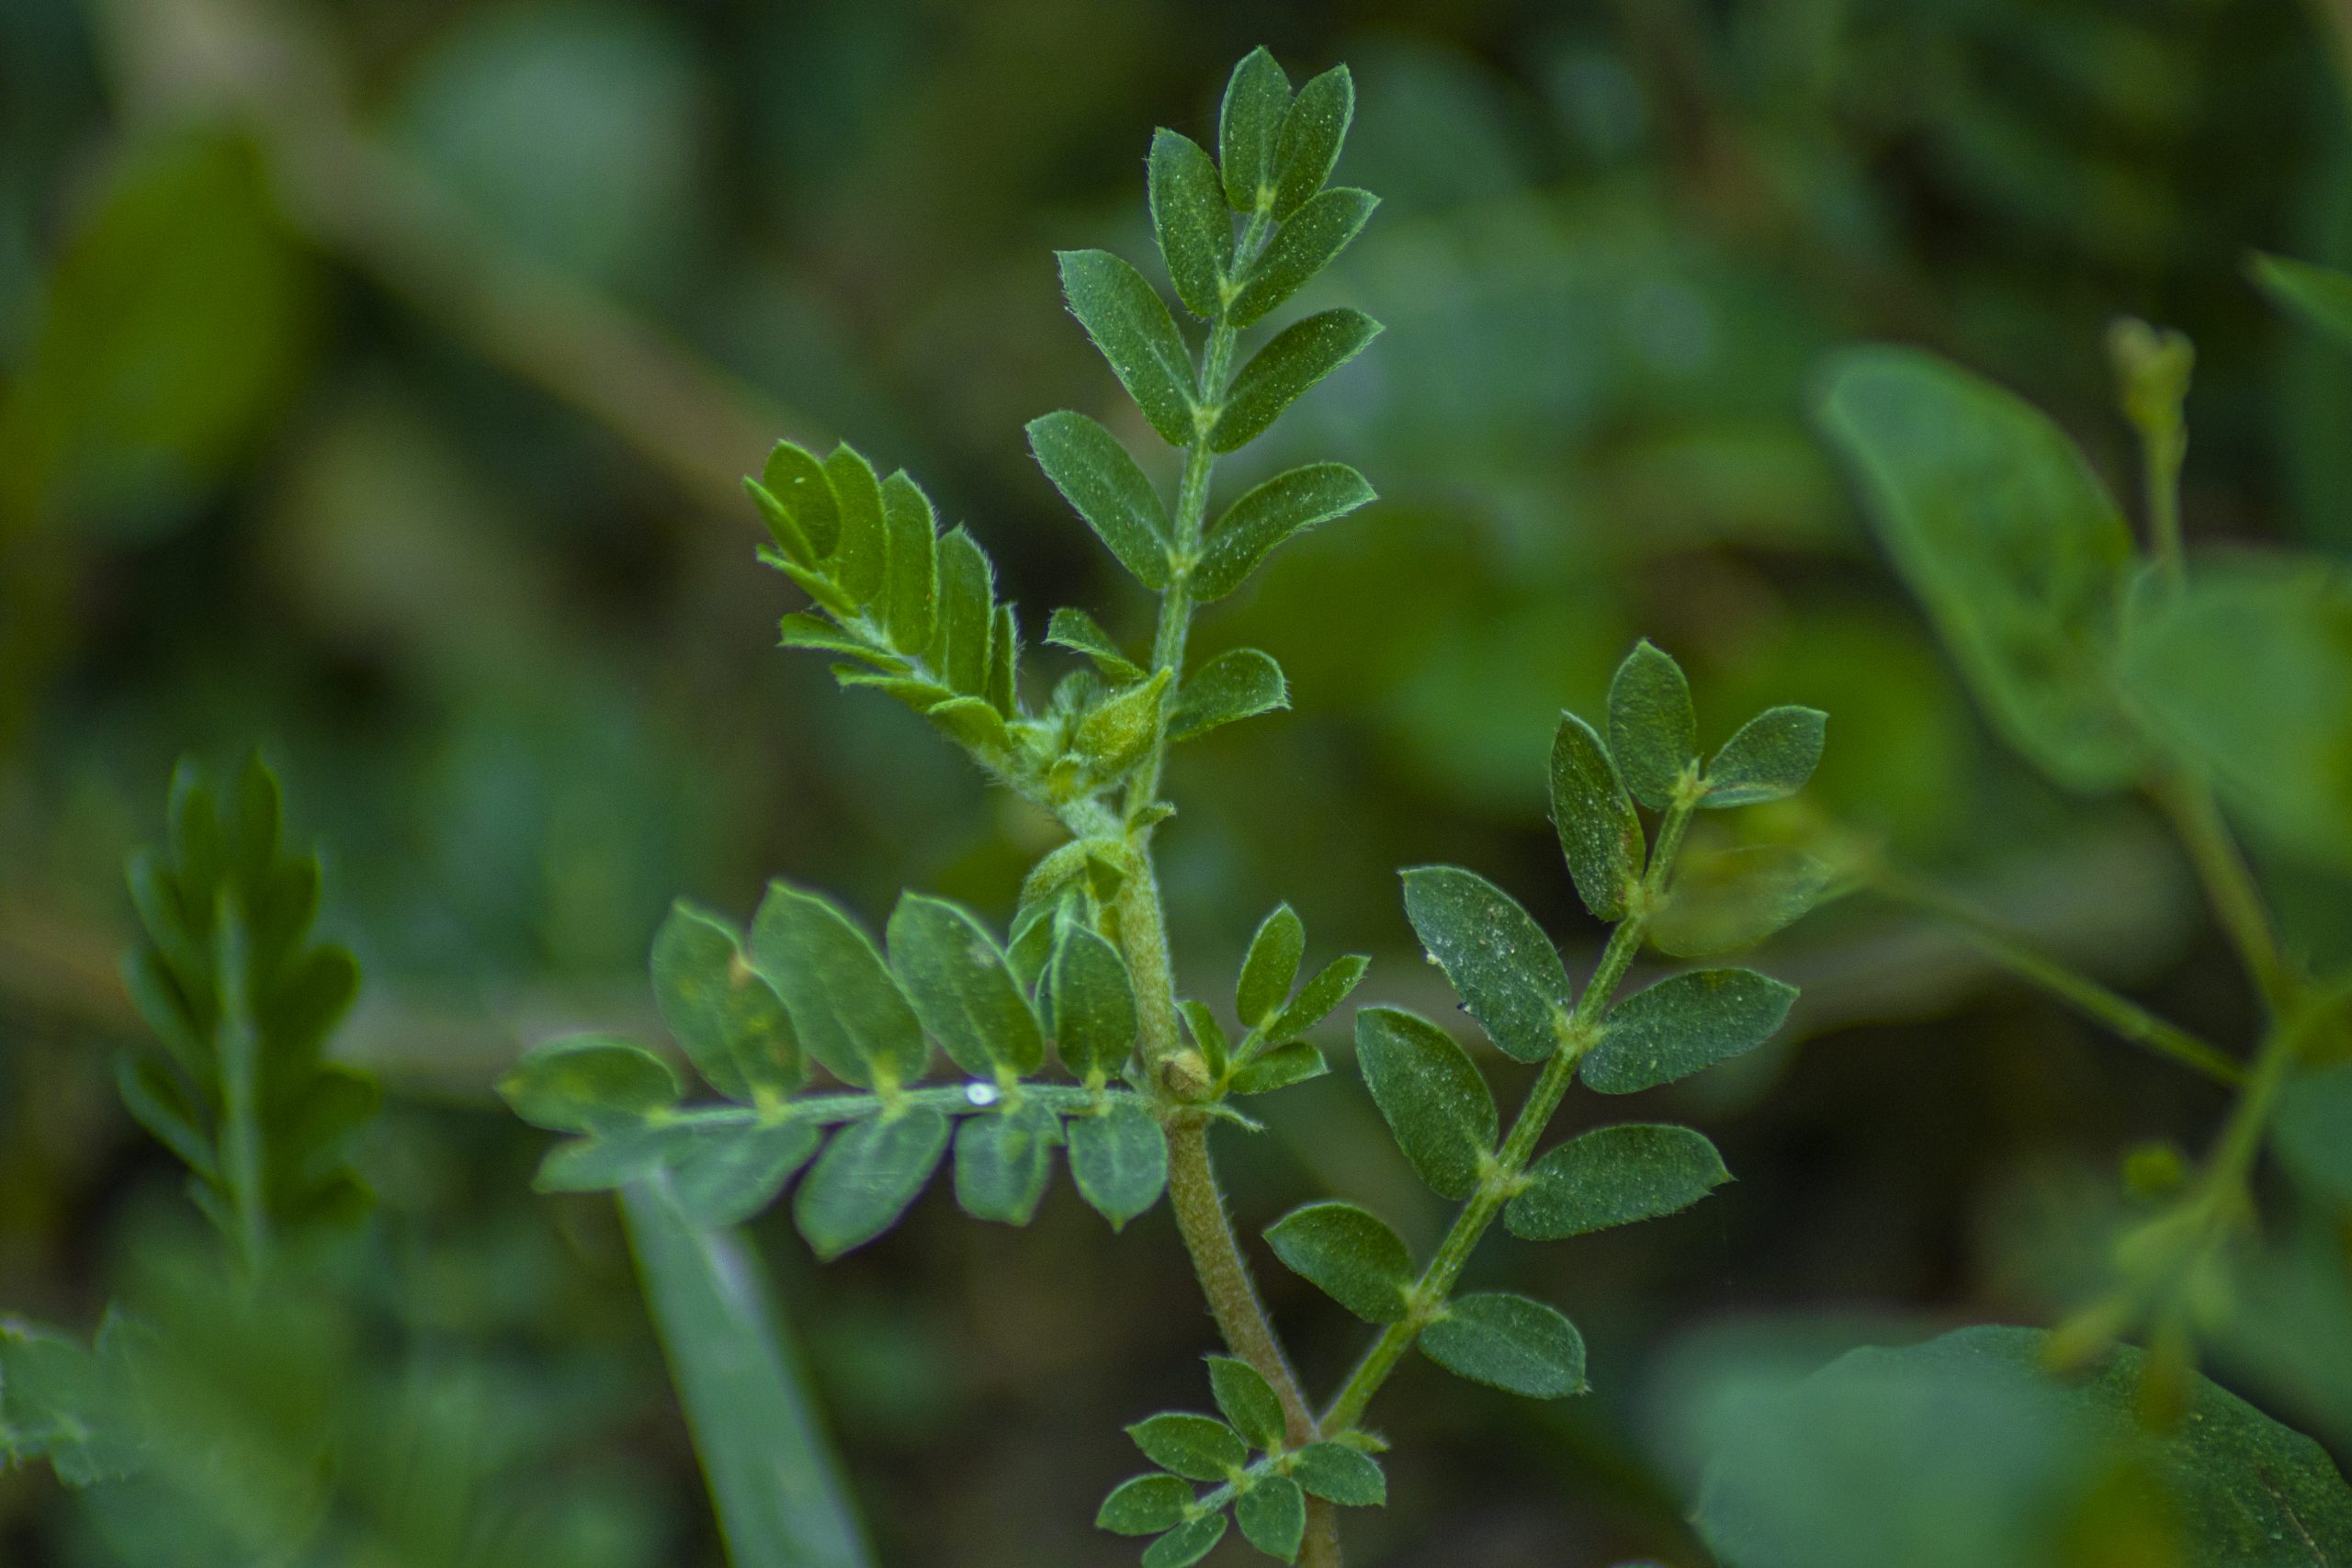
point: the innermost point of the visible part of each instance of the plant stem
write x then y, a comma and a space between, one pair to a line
237, 1042
1578, 1034
2230, 885
2126, 1018
1199, 1205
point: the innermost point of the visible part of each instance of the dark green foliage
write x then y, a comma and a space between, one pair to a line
1614, 1176
1105, 486
1134, 332
1294, 360
1242, 684
1599, 832
1285, 505
1118, 1159
1349, 1255
1435, 1102
1653, 730
1247, 1400
1500, 962
1681, 1024
1517, 1345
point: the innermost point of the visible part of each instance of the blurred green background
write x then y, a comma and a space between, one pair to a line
374, 378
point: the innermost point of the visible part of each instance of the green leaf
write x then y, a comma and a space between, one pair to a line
1239, 683
1341, 1474
1297, 358
813, 581
1133, 330
1683, 1024
1600, 834
1198, 1447
861, 559
1003, 1160
1318, 997
1249, 1401
845, 1007
727, 1175
1286, 505
614, 1156
1145, 1504
1120, 731
966, 613
1103, 483
1652, 730
1301, 248
1272, 1515
866, 1177
1270, 968
1118, 1159
1439, 1109
780, 1496
583, 1082
792, 548
910, 585
1189, 218
1207, 1035
1508, 1341
1770, 759
798, 481
731, 1023
1724, 900
951, 970
1093, 1002
1312, 134
1004, 662
801, 629
1349, 1254
1249, 130
1186, 1544
1965, 1450
2247, 676
1081, 633
1614, 1176
974, 723
67, 1404
1500, 962
2321, 295
1285, 1064
1997, 523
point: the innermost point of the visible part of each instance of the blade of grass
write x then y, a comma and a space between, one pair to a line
779, 1494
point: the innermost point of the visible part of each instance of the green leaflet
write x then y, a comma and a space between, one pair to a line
1653, 730
1600, 834
1118, 1159
1272, 1515
730, 1022
1508, 1341
64, 1403
910, 578
801, 629
1081, 633
2322, 296
1768, 759
1093, 1004
951, 970
1119, 732
1189, 218
1724, 900
2247, 676
1998, 524
1349, 1255
1004, 662
1271, 966
1500, 962
1337, 1473
1239, 683
1097, 477
1966, 1451
845, 1007
1434, 1100
1312, 134
723, 1175
866, 1177
1683, 1024
1318, 997
1207, 1035
1247, 1400
1286, 505
861, 559
1003, 1160
798, 481
1145, 1505
1295, 358
614, 1155
1614, 1176
586, 1082
1198, 1447
1304, 246
1186, 1544
1285, 1064
966, 613
1134, 332
1249, 130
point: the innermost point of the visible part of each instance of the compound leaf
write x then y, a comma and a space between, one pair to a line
1293, 1062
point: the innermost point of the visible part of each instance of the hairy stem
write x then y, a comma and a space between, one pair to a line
1578, 1034
2119, 1013
1199, 1204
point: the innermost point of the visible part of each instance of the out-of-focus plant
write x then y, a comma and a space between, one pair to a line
1086, 967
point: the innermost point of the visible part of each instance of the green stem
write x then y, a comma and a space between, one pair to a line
238, 1046
2230, 885
1578, 1033
2126, 1018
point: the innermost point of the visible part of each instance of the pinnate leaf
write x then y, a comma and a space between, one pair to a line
1118, 1159
1600, 834
845, 1007
1348, 1254
1295, 358
1301, 248
1768, 759
585, 1081
1247, 1400
1652, 730
1501, 964
1286, 505
1239, 683
731, 1023
1683, 1024
1103, 483
1614, 1176
1509, 1342
866, 1177
1133, 330
1433, 1098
